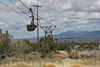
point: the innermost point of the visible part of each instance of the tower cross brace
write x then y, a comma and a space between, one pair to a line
48, 31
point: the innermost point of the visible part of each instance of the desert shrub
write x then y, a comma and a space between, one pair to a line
74, 55
86, 56
34, 45
20, 65
21, 47
87, 62
5, 40
4, 65
46, 46
44, 49
50, 65
1, 45
75, 65
8, 60
61, 46
50, 56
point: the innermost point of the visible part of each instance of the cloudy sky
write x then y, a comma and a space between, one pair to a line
67, 15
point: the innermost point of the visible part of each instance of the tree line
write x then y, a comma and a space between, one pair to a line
10, 48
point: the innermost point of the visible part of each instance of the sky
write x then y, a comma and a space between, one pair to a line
67, 15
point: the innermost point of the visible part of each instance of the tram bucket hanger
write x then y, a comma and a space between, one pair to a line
31, 26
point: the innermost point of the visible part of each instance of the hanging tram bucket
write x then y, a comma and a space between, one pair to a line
31, 27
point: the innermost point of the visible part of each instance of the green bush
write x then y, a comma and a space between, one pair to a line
5, 40
46, 46
44, 49
74, 55
21, 47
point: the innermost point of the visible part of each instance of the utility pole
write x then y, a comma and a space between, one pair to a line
37, 27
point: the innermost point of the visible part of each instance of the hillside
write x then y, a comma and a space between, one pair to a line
79, 34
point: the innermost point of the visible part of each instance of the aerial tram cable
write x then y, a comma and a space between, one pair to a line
31, 27
26, 17
24, 4
36, 14
16, 27
14, 10
18, 8
60, 33
43, 19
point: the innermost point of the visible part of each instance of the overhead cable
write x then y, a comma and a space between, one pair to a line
43, 19
18, 8
36, 14
16, 27
14, 10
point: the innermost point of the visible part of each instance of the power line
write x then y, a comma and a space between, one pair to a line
43, 19
14, 10
19, 8
24, 4
16, 27
38, 15
59, 33
33, 12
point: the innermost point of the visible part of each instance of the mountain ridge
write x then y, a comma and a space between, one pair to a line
78, 34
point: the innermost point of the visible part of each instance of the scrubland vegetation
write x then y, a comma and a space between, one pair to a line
24, 54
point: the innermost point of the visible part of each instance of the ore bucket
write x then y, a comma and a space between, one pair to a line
31, 27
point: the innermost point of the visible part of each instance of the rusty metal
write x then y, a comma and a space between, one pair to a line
31, 26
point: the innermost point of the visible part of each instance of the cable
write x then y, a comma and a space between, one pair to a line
59, 33
47, 21
42, 18
19, 8
24, 4
14, 10
15, 27
36, 14
21, 15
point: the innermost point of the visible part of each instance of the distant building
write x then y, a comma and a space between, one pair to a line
88, 47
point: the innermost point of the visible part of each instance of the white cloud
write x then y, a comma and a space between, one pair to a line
3, 25
28, 3
59, 5
68, 15
95, 15
94, 7
65, 19
66, 6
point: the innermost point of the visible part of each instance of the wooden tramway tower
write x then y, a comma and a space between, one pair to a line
48, 31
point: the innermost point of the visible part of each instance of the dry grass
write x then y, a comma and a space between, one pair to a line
49, 63
75, 65
55, 61
88, 62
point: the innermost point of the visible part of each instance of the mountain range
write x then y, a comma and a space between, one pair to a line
74, 34
78, 34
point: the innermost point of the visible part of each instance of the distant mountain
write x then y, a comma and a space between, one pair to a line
78, 34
